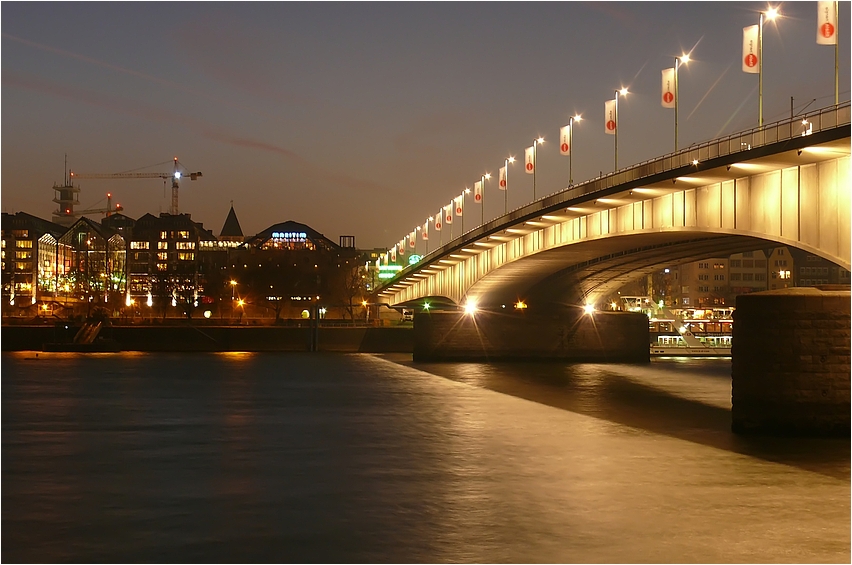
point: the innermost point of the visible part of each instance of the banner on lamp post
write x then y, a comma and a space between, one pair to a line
502, 179
529, 160
565, 140
609, 117
668, 96
477, 192
750, 49
826, 23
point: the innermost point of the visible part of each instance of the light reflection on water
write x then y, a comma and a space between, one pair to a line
354, 458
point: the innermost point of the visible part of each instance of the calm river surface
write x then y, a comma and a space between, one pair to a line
360, 458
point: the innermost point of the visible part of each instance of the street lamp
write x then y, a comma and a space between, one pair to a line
622, 91
486, 176
769, 15
536, 143
682, 60
566, 145
503, 182
463, 196
233, 288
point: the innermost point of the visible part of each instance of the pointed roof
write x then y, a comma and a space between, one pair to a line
232, 225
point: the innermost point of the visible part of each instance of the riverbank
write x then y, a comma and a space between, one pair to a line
187, 337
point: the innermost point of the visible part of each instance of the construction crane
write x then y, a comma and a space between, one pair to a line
176, 175
108, 211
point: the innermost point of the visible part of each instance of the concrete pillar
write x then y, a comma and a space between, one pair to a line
564, 335
791, 362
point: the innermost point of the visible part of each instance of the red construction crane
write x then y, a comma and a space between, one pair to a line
175, 176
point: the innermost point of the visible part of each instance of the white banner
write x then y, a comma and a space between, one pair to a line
565, 140
459, 202
477, 192
448, 214
827, 23
529, 160
503, 183
439, 220
393, 254
668, 99
425, 231
750, 49
402, 246
610, 117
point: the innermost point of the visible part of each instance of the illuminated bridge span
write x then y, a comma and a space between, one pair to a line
776, 184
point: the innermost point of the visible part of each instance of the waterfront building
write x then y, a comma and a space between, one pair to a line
28, 259
290, 268
164, 267
780, 267
90, 266
812, 270
747, 273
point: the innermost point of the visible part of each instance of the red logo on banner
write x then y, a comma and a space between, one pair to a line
529, 166
438, 225
449, 218
610, 125
477, 197
458, 210
826, 29
751, 60
564, 147
668, 97
502, 183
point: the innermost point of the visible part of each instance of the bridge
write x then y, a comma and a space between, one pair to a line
783, 184
786, 183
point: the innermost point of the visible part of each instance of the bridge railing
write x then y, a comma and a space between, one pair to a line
802, 125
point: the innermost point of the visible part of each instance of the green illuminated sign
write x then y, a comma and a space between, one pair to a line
390, 267
412, 259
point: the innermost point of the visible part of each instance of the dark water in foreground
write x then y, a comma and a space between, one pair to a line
342, 458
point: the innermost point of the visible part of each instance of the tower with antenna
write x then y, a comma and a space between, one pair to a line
67, 196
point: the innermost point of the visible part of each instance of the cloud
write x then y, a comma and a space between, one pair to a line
209, 131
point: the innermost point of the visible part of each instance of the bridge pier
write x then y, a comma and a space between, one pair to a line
791, 362
565, 334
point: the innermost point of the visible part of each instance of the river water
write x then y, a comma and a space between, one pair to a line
245, 457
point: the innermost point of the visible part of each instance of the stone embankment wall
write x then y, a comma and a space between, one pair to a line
791, 362
565, 335
221, 338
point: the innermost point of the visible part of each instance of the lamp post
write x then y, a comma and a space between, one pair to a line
504, 183
463, 198
568, 145
770, 15
683, 59
486, 176
536, 143
623, 92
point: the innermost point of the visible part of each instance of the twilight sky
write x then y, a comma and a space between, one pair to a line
364, 118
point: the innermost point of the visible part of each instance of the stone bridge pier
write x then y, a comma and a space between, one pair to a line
791, 362
502, 335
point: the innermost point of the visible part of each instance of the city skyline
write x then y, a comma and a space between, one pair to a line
362, 119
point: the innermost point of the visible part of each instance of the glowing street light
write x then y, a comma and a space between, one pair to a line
503, 182
769, 15
682, 60
566, 144
536, 143
470, 307
623, 92
589, 309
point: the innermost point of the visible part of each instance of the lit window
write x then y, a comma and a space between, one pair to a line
183, 234
186, 256
162, 245
164, 235
139, 245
